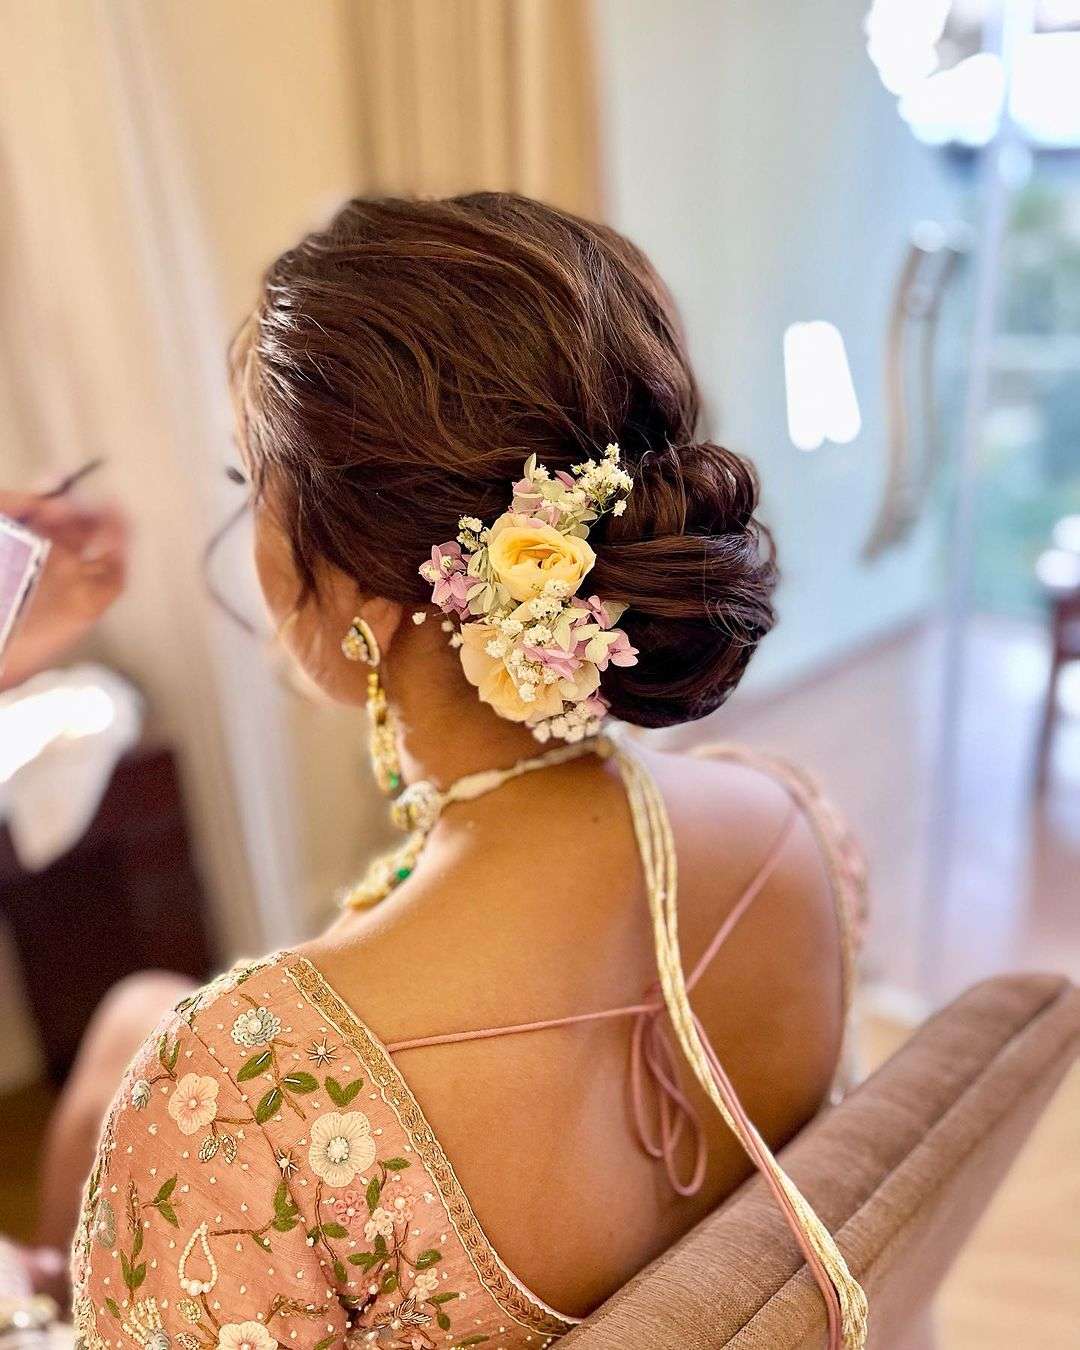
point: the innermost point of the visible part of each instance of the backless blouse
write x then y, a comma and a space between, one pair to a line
266, 1178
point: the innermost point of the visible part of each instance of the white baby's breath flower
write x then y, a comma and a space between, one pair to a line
619, 507
542, 732
537, 634
446, 626
471, 523
512, 628
455, 639
550, 676
557, 589
419, 615
527, 693
496, 648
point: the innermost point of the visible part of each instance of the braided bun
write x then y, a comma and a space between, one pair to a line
696, 570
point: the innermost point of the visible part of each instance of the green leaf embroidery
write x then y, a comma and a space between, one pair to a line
324, 1343
168, 1054
443, 1321
443, 1298
256, 1065
374, 1190
164, 1191
340, 1273
137, 1242
335, 1230
113, 1307
168, 1213
396, 1164
285, 1223
138, 1275
282, 1202
428, 1258
365, 1259
300, 1082
268, 1105
471, 1340
389, 1283
380, 1246
342, 1095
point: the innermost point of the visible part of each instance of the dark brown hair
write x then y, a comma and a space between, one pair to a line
402, 364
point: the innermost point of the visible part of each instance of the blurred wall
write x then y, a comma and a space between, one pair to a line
752, 151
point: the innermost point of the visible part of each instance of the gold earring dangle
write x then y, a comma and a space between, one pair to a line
361, 644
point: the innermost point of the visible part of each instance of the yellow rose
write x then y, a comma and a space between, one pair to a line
495, 686
525, 557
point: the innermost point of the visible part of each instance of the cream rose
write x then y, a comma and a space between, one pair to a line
496, 686
525, 557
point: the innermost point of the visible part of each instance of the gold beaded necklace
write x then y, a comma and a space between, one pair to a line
422, 803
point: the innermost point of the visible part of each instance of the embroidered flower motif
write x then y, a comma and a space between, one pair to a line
341, 1146
381, 1224
350, 1209
193, 1104
425, 1284
140, 1094
321, 1053
103, 1228
245, 1336
255, 1026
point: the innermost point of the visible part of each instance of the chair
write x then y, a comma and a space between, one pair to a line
900, 1171
1058, 571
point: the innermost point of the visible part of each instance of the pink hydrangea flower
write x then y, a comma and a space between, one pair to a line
620, 653
564, 663
450, 583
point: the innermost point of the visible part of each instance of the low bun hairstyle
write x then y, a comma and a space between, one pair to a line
402, 364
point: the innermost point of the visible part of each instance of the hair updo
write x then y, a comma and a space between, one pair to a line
403, 363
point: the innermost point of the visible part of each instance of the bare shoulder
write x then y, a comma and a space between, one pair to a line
745, 826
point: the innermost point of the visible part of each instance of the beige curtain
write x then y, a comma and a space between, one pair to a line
153, 158
478, 93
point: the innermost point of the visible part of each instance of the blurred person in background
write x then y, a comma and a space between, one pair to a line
483, 511
83, 575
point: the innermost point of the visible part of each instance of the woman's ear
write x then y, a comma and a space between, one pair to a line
385, 618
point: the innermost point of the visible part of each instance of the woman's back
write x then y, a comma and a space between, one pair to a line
553, 922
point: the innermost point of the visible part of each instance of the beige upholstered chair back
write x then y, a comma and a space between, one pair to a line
900, 1172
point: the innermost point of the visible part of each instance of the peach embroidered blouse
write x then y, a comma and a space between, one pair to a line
266, 1177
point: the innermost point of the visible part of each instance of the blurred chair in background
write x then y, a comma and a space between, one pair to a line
1058, 569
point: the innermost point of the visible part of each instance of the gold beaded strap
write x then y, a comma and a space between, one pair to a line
845, 1302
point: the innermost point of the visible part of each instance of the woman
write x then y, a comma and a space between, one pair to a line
481, 510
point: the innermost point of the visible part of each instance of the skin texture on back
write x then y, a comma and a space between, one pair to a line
530, 905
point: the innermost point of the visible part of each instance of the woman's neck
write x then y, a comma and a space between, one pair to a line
444, 731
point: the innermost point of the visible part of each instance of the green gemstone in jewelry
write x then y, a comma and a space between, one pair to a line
402, 873
395, 780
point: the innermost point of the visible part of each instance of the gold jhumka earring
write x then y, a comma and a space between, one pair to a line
361, 644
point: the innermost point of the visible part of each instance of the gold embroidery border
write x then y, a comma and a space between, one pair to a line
507, 1291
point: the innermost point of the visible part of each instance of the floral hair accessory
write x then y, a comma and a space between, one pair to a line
534, 651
